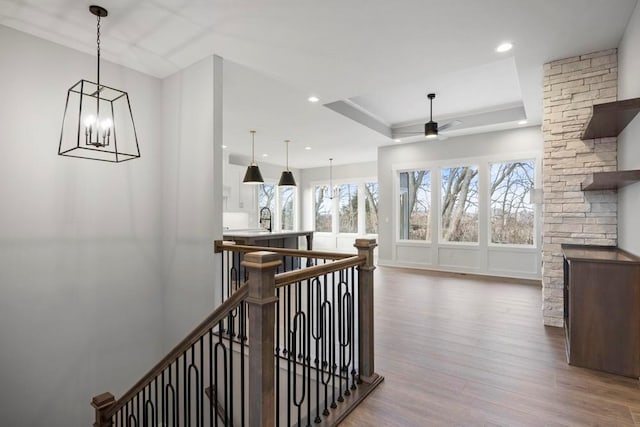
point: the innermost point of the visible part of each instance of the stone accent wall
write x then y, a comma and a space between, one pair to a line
571, 87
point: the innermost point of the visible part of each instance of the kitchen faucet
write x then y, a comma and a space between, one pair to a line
265, 218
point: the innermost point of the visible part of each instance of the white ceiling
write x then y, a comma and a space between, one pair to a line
382, 56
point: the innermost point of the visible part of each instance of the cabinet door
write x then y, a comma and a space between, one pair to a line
604, 308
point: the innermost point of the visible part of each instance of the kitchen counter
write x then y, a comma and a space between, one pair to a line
275, 239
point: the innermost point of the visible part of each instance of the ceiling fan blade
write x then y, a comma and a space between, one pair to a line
449, 125
408, 133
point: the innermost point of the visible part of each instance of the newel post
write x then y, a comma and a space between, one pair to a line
102, 403
365, 310
261, 300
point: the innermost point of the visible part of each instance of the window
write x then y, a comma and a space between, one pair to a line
512, 216
287, 211
371, 207
415, 205
348, 208
267, 197
459, 209
322, 210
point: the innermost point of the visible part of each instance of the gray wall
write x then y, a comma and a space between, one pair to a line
102, 265
80, 279
191, 195
629, 140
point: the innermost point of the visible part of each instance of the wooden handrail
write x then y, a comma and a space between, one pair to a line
214, 318
294, 276
221, 245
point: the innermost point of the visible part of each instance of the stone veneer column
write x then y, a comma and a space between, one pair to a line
571, 87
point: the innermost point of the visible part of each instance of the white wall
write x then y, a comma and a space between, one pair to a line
191, 194
476, 149
80, 279
629, 140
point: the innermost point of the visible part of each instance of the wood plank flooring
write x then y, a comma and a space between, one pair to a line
467, 351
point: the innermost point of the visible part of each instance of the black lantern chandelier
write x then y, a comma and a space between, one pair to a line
98, 122
287, 179
253, 175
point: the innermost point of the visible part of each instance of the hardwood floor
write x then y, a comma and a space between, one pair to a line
467, 351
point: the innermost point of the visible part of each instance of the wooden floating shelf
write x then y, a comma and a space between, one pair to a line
608, 120
610, 180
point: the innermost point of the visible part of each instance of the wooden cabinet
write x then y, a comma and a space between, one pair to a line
602, 309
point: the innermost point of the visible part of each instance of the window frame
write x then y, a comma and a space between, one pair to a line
536, 218
452, 165
335, 206
398, 204
483, 164
276, 225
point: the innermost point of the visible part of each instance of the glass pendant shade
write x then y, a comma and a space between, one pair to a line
287, 179
253, 175
98, 122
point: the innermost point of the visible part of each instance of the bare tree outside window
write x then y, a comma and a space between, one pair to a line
371, 207
512, 216
415, 205
287, 200
267, 197
348, 208
459, 195
322, 210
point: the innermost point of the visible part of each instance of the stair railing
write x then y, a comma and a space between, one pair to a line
303, 320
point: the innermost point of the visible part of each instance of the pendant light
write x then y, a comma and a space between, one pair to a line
286, 179
253, 175
331, 191
98, 122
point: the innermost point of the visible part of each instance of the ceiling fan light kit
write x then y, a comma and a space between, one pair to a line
431, 127
431, 130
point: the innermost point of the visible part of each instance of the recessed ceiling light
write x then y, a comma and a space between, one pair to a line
307, 148
522, 122
504, 47
313, 98
396, 140
224, 146
265, 155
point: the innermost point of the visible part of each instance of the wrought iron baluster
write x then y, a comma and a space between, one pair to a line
277, 353
243, 339
333, 343
213, 399
164, 403
354, 328
316, 334
288, 350
298, 347
200, 389
307, 359
229, 391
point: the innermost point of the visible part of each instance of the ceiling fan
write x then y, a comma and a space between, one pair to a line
431, 128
